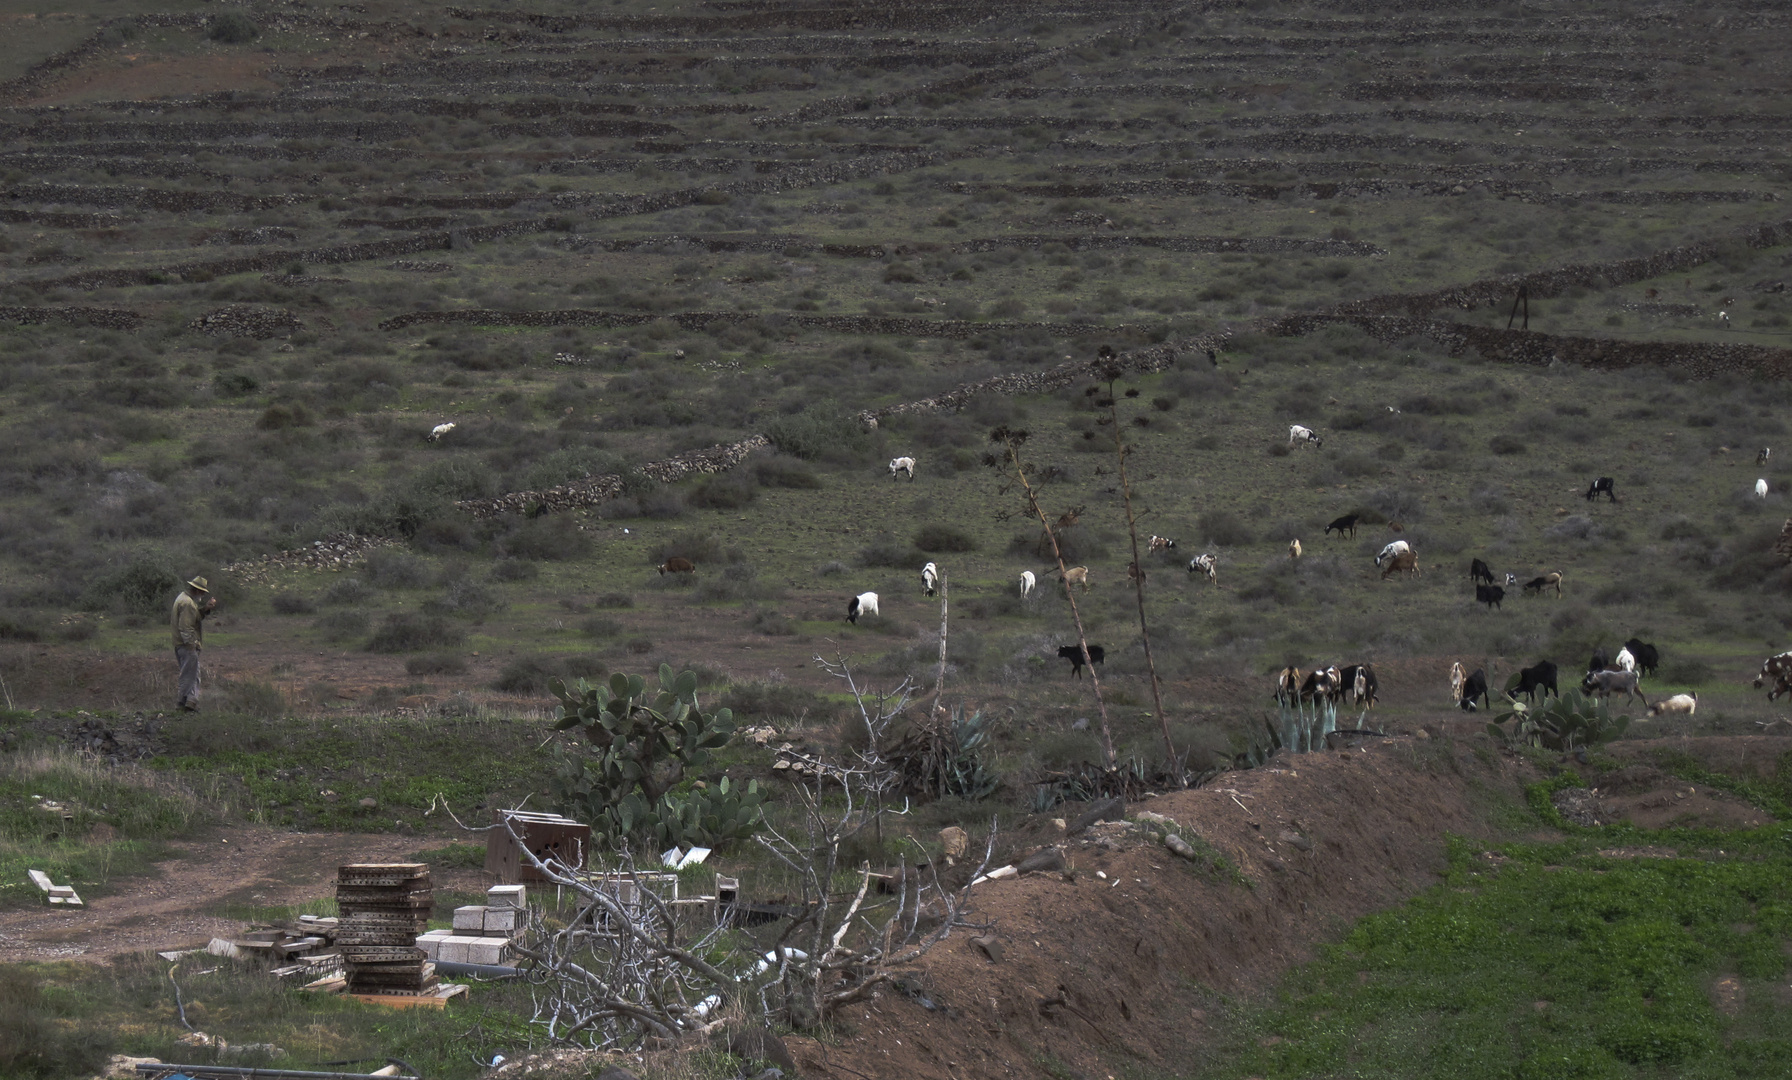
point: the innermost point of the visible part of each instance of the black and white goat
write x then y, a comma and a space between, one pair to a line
1296, 433
902, 465
862, 604
1599, 486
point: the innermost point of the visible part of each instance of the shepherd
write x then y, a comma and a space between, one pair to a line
189, 635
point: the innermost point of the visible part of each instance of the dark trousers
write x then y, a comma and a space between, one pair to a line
188, 659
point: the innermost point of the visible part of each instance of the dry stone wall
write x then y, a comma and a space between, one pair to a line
109, 318
697, 320
599, 489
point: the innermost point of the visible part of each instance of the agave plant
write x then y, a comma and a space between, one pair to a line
1567, 722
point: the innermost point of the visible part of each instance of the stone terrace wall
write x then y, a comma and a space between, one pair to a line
801, 245
1696, 360
697, 320
110, 318
598, 489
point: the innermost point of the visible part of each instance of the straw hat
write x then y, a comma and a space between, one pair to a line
198, 584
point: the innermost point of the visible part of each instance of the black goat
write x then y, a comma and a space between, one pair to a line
1491, 595
1345, 524
1479, 571
1541, 676
1603, 484
1074, 654
1645, 654
1475, 686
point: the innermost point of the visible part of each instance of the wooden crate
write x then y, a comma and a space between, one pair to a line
547, 835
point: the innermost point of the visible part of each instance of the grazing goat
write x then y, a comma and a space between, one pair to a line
1511, 580
1475, 686
1478, 571
901, 465
436, 433
1646, 656
676, 565
1076, 575
1133, 573
1491, 595
1320, 683
1779, 669
1027, 581
1624, 661
1206, 564
1606, 683
1540, 676
1600, 661
1723, 319
1406, 561
1398, 547
1761, 488
1297, 433
1074, 654
863, 604
930, 578
1294, 549
1538, 584
1603, 484
1686, 703
1761, 458
1160, 543
1457, 677
1359, 684
1345, 524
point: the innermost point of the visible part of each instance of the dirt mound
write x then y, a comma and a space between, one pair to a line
1121, 954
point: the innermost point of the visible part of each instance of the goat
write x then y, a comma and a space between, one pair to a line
1076, 575
1538, 584
676, 565
862, 604
1345, 524
1294, 549
1606, 683
1491, 595
930, 578
1206, 564
1723, 319
1160, 543
1624, 661
1457, 677
1398, 547
1761, 488
1320, 683
1539, 676
1288, 683
436, 433
1478, 571
1396, 527
1027, 581
1686, 703
1646, 656
1603, 484
1074, 654
1296, 432
902, 464
1761, 458
1475, 686
1359, 684
1133, 573
1406, 561
1779, 668
1600, 661
1511, 580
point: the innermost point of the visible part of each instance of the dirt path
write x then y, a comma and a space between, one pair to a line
250, 865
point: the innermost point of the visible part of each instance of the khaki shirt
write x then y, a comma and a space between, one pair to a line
189, 628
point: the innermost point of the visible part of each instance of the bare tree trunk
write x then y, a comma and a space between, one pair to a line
1010, 442
1122, 451
939, 683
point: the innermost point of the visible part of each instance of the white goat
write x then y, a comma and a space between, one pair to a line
1686, 703
1761, 488
1297, 433
1624, 661
930, 578
1027, 581
1398, 547
1457, 678
436, 433
862, 604
1294, 549
902, 464
1206, 564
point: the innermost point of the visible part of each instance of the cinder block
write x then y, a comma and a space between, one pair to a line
471, 917
454, 949
515, 896
487, 950
502, 920
431, 946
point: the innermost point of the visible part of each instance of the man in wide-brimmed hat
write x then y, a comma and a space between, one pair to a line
191, 607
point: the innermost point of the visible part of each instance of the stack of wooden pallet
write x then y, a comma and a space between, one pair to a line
382, 909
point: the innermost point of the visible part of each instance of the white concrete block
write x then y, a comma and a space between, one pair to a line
515, 896
487, 950
431, 946
454, 948
471, 917
502, 920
